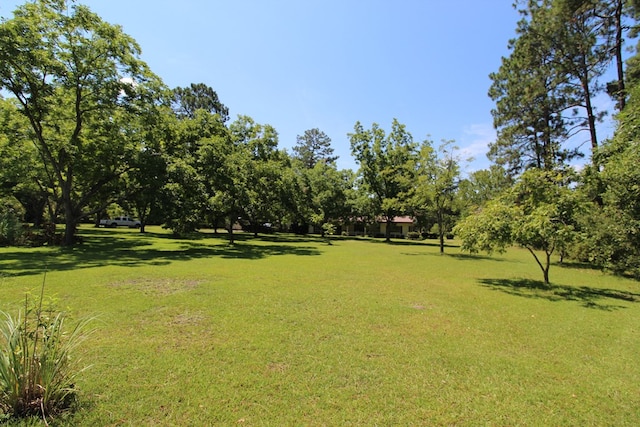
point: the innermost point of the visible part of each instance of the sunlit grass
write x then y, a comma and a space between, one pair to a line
287, 330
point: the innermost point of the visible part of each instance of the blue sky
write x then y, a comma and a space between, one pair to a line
298, 65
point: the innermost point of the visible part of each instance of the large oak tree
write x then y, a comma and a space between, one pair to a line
76, 79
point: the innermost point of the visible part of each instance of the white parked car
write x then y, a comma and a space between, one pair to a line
120, 221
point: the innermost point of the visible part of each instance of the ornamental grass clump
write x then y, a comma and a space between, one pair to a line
38, 366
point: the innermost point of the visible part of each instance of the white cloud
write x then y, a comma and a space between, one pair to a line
475, 142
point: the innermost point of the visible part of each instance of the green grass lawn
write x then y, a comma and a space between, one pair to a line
286, 330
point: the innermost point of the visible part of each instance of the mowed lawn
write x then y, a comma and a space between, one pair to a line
286, 330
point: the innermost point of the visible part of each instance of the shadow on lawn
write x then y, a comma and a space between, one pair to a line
126, 250
398, 242
458, 256
598, 298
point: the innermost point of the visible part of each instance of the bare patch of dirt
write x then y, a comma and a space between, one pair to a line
277, 367
159, 286
188, 319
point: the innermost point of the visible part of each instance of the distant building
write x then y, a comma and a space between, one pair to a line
400, 227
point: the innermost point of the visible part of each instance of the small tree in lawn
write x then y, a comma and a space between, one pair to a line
437, 184
538, 213
328, 230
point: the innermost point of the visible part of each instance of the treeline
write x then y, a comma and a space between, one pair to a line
545, 93
89, 129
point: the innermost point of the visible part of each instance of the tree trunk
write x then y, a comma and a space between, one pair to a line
621, 93
231, 218
545, 268
441, 231
545, 273
70, 220
591, 118
388, 230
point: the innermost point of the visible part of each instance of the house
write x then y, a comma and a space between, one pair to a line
400, 227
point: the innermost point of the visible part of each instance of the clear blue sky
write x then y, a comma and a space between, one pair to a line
298, 65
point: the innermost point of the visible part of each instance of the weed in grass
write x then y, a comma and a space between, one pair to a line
37, 361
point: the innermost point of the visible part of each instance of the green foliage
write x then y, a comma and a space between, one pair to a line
387, 167
38, 360
324, 190
482, 186
414, 235
11, 229
194, 149
488, 230
544, 89
329, 228
540, 213
313, 147
198, 96
80, 83
21, 173
611, 238
436, 186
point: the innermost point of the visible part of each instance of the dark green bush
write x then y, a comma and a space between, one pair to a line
414, 235
10, 227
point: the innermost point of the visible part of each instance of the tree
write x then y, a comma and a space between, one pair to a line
387, 168
531, 100
260, 166
482, 186
189, 186
326, 189
322, 185
244, 171
141, 187
611, 239
312, 147
539, 213
144, 183
610, 22
77, 79
198, 96
21, 173
545, 90
612, 16
578, 56
437, 184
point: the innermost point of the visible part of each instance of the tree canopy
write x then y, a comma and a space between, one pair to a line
312, 147
387, 168
77, 79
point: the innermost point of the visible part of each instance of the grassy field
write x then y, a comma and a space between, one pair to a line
290, 331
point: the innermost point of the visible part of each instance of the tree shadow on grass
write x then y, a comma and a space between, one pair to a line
458, 256
589, 297
423, 243
137, 250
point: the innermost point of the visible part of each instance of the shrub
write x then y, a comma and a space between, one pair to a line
329, 228
413, 235
37, 370
10, 227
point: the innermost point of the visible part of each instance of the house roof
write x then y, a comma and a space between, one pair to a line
399, 220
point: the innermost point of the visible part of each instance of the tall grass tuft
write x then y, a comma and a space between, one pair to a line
37, 363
